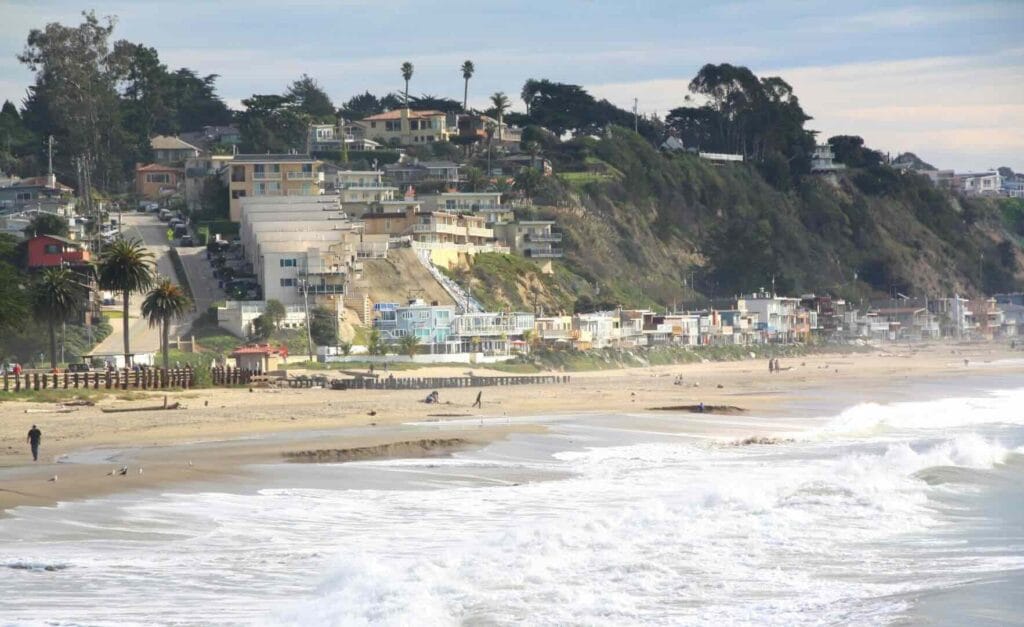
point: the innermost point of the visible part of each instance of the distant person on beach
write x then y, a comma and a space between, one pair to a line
478, 395
771, 365
34, 437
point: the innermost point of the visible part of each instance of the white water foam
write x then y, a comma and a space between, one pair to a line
806, 532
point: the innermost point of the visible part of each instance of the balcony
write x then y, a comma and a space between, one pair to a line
544, 253
266, 176
301, 176
322, 288
543, 237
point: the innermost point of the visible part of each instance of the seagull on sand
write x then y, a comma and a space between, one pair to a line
53, 478
123, 471
140, 470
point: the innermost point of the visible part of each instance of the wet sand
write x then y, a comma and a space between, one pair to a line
218, 432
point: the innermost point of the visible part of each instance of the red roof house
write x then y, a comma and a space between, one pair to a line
47, 251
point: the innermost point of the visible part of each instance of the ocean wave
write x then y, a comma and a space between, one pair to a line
35, 565
867, 419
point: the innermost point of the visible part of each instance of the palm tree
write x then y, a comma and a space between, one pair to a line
530, 89
501, 104
56, 297
467, 73
162, 304
407, 75
408, 345
127, 267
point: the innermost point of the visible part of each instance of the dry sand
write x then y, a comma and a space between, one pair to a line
220, 431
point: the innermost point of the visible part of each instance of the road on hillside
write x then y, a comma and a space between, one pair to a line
153, 234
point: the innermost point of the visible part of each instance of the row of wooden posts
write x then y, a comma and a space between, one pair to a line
123, 379
159, 378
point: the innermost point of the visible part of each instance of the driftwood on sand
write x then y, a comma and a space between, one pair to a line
117, 410
702, 409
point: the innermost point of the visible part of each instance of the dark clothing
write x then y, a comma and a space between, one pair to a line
477, 403
34, 436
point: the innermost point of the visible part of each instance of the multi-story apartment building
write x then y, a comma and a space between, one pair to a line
430, 227
198, 171
423, 171
530, 238
271, 175
430, 324
363, 187
487, 203
777, 316
405, 127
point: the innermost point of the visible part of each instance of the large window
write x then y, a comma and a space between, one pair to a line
237, 193
288, 263
266, 189
287, 282
395, 125
238, 174
52, 249
158, 177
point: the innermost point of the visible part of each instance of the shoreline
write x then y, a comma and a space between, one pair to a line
220, 432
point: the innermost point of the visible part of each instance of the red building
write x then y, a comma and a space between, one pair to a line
47, 251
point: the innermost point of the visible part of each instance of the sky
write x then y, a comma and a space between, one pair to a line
943, 79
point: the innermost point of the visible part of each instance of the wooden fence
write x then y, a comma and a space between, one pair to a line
142, 379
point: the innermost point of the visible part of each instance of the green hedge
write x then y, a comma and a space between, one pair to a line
226, 228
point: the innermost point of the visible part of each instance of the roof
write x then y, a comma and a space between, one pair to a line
270, 158
156, 167
39, 181
396, 114
166, 142
58, 238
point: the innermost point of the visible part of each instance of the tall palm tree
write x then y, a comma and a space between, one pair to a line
501, 104
56, 297
407, 75
467, 73
164, 303
127, 267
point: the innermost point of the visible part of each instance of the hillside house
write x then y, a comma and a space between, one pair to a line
405, 127
430, 324
536, 239
155, 181
823, 159
169, 150
423, 171
979, 183
48, 251
271, 175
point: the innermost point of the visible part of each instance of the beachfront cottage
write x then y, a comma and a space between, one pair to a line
260, 357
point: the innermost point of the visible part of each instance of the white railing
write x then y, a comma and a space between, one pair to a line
266, 176
465, 302
300, 176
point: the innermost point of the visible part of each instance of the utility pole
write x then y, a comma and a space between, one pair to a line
636, 120
309, 322
49, 153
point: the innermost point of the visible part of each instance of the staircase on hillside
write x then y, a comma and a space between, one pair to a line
465, 302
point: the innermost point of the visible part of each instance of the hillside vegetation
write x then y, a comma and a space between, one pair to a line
640, 237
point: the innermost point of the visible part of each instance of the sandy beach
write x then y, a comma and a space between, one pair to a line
219, 432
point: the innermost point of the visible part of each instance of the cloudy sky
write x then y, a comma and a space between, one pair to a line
944, 79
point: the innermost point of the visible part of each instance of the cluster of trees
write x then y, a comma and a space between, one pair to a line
101, 101
58, 296
565, 108
760, 118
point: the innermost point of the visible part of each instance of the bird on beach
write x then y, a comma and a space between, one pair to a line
123, 471
190, 463
140, 470
53, 478
112, 472
371, 413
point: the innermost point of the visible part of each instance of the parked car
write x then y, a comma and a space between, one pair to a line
180, 230
80, 367
164, 215
186, 240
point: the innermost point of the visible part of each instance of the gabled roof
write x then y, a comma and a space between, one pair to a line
396, 114
166, 142
156, 167
58, 238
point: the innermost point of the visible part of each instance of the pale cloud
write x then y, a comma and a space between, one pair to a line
963, 112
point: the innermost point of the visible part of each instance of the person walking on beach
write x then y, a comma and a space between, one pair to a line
34, 437
478, 395
771, 365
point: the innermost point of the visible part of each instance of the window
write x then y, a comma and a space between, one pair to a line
287, 282
307, 168
394, 126
266, 189
24, 196
288, 263
237, 174
158, 177
414, 125
52, 249
237, 193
